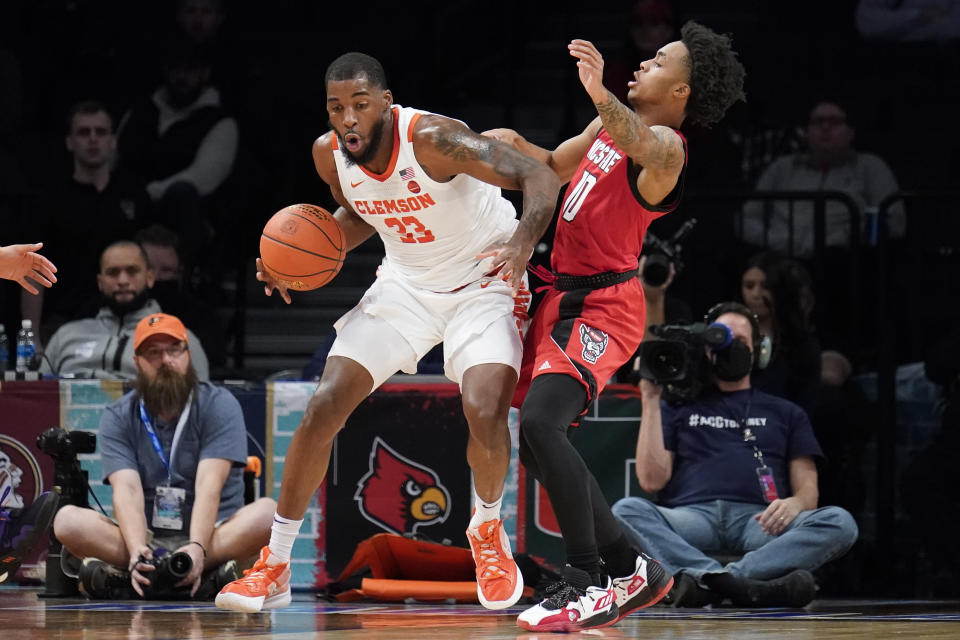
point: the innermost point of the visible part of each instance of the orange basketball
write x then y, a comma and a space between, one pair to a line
302, 246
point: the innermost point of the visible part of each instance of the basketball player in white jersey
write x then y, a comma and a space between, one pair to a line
454, 272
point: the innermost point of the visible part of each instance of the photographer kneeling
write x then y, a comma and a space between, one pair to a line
174, 450
735, 474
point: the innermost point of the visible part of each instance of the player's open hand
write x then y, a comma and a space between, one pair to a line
512, 261
590, 68
20, 261
271, 283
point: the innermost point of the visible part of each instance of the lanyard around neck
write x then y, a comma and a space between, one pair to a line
155, 441
748, 436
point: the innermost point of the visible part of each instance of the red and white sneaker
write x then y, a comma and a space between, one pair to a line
568, 608
263, 586
499, 581
646, 586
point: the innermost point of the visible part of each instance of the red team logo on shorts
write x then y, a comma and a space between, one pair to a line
594, 343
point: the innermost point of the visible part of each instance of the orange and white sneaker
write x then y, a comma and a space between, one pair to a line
499, 582
262, 587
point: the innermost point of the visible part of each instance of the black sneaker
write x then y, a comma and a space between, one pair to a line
570, 608
100, 580
688, 594
22, 531
646, 586
216, 579
796, 589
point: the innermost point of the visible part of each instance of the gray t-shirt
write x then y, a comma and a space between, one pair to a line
214, 429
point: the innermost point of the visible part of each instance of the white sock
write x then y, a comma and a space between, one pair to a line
485, 511
282, 535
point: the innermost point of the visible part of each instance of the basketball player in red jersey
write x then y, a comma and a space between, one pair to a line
455, 260
625, 169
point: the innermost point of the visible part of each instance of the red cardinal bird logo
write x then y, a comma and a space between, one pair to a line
399, 495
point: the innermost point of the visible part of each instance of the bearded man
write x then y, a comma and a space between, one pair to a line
173, 449
100, 347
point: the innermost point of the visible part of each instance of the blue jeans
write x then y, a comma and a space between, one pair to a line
681, 537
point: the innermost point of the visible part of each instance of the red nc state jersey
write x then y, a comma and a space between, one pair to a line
603, 218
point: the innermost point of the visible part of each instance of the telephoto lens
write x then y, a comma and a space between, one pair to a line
180, 565
656, 269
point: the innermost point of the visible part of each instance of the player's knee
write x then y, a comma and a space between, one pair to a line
67, 525
484, 415
322, 418
539, 430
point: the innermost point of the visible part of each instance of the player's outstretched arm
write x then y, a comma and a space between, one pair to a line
22, 263
446, 147
659, 150
563, 160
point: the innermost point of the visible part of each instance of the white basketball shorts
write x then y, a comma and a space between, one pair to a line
395, 324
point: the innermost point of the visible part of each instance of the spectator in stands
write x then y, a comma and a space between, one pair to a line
928, 493
173, 449
100, 347
78, 215
780, 292
183, 143
830, 163
162, 247
735, 474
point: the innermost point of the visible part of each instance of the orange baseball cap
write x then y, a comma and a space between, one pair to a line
159, 323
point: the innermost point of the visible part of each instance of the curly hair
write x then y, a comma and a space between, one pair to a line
716, 75
352, 65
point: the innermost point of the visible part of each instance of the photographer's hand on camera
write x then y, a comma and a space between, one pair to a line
650, 392
192, 579
139, 569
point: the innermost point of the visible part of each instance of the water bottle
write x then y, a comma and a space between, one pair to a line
26, 346
4, 349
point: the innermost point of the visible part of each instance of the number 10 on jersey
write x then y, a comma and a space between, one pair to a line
577, 195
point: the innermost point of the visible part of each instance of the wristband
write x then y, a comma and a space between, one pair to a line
203, 548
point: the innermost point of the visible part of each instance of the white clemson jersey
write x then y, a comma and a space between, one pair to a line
431, 231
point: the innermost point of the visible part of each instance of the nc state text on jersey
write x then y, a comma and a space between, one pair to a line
603, 155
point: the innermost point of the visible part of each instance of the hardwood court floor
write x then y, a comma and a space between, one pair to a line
24, 615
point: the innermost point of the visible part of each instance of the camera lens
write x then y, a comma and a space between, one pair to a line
656, 269
180, 564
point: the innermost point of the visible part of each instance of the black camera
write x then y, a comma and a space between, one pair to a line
102, 581
61, 444
169, 569
678, 360
662, 254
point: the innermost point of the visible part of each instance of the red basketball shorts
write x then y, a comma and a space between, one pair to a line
585, 333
